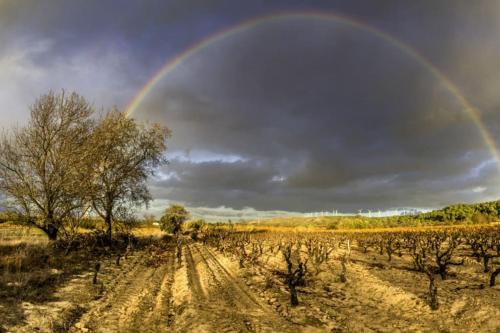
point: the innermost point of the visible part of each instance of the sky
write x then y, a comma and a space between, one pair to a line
296, 114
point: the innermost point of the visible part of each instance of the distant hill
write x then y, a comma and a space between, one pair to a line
480, 212
454, 214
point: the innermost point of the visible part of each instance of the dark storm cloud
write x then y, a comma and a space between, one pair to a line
262, 190
297, 115
340, 124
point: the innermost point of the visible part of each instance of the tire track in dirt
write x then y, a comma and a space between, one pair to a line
231, 286
211, 308
162, 315
217, 285
227, 306
126, 306
138, 301
193, 276
143, 314
202, 295
114, 287
239, 288
117, 310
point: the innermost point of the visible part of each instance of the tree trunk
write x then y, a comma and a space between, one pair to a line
493, 277
51, 231
97, 267
107, 221
486, 261
443, 272
433, 301
294, 300
179, 251
343, 272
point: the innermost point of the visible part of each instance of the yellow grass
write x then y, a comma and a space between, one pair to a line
11, 234
301, 229
147, 231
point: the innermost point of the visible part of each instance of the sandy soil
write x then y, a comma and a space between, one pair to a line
382, 296
207, 292
217, 301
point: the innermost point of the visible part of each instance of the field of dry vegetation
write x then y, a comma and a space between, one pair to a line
222, 279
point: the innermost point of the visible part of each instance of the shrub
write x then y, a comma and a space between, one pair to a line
173, 219
194, 227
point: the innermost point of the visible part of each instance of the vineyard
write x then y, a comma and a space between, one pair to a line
299, 258
228, 279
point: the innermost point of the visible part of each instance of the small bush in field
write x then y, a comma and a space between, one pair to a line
173, 219
194, 228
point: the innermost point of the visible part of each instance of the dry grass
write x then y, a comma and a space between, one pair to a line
312, 229
27, 264
24, 258
11, 234
146, 231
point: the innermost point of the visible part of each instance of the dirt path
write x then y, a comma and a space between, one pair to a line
138, 301
198, 295
219, 302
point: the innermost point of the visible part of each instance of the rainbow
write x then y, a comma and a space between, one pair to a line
170, 65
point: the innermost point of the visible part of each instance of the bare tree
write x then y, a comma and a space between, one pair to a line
124, 154
42, 165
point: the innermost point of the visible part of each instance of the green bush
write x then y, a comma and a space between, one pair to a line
173, 219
